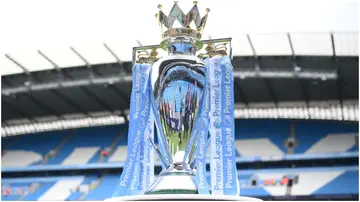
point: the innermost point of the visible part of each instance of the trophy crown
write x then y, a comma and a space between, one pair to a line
191, 24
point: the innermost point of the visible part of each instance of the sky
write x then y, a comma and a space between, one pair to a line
54, 26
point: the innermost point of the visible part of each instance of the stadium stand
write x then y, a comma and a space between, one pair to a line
305, 181
255, 139
84, 145
266, 182
108, 182
268, 137
28, 150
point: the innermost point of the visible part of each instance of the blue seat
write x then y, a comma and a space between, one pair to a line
310, 132
74, 196
39, 192
105, 189
275, 130
10, 197
40, 143
87, 137
346, 183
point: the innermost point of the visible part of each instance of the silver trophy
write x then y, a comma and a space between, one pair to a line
178, 81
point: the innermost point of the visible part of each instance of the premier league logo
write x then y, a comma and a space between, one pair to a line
188, 96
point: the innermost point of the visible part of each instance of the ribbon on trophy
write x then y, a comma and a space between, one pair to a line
216, 118
138, 171
200, 131
224, 180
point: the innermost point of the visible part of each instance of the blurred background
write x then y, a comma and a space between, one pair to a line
66, 83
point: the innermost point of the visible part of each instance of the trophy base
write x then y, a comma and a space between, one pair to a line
182, 197
174, 180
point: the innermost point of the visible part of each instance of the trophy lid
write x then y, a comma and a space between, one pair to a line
188, 30
190, 25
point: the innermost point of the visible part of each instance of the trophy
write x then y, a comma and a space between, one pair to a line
178, 82
188, 94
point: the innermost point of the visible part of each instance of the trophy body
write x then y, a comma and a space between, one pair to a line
178, 83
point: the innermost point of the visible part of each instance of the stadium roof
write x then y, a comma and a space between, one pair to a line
75, 33
303, 44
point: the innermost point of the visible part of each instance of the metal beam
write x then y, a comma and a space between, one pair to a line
239, 90
285, 74
292, 50
49, 60
57, 93
71, 102
122, 97
244, 73
102, 103
54, 89
271, 89
81, 57
6, 81
91, 73
113, 54
87, 63
43, 106
63, 97
240, 112
45, 125
54, 64
304, 91
26, 71
339, 78
252, 46
93, 96
98, 100
267, 82
117, 58
22, 113
296, 67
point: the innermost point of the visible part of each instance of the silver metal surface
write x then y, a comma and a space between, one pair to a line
178, 82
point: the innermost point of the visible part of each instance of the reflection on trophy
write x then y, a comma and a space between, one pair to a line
178, 84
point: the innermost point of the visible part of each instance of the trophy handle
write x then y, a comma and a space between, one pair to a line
149, 54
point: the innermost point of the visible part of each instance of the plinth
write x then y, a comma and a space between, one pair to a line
182, 197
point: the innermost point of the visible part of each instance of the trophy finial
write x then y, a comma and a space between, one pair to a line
207, 10
191, 23
159, 6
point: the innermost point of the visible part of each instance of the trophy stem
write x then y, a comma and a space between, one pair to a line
177, 179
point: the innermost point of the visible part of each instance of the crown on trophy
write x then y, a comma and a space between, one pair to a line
191, 27
191, 24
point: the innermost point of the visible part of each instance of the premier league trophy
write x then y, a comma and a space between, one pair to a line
188, 96
178, 83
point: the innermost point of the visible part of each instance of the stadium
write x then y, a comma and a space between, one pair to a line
66, 82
